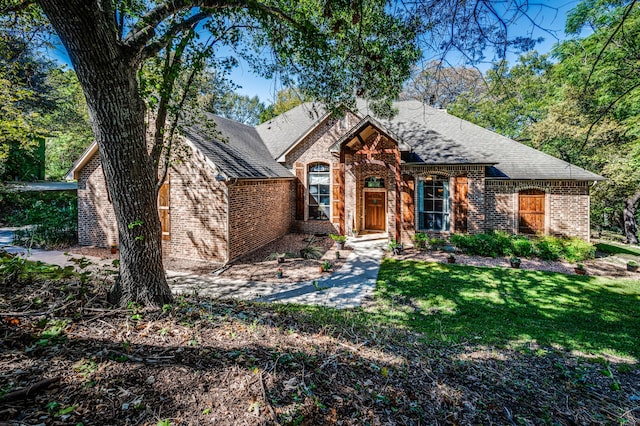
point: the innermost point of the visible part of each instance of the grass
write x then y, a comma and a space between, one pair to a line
615, 248
511, 307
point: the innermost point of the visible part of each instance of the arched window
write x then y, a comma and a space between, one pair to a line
433, 204
319, 185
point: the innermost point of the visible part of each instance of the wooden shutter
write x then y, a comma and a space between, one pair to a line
299, 168
408, 206
531, 211
338, 195
164, 209
460, 203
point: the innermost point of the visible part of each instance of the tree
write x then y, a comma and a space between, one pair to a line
438, 85
241, 108
286, 99
351, 46
515, 98
603, 69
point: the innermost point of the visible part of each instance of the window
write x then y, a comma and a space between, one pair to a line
319, 187
433, 204
374, 182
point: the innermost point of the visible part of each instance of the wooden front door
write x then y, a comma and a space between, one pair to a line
531, 211
375, 208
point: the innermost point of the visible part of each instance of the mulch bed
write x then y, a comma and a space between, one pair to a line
257, 265
67, 358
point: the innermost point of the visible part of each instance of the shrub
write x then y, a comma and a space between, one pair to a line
548, 248
493, 244
576, 249
521, 246
338, 238
420, 240
53, 217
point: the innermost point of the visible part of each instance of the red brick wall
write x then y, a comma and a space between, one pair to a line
566, 206
475, 196
315, 148
259, 212
96, 218
198, 212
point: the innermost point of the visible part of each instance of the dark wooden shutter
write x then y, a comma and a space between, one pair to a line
408, 206
531, 211
299, 167
460, 203
164, 209
338, 196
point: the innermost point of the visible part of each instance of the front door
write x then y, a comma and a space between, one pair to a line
375, 208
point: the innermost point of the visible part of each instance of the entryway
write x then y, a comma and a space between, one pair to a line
374, 210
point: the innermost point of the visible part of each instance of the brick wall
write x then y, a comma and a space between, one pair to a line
198, 212
566, 206
315, 148
475, 197
260, 211
96, 218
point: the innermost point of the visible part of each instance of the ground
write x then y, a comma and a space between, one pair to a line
259, 265
67, 358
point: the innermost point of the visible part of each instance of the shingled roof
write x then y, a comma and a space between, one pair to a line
238, 151
286, 130
441, 138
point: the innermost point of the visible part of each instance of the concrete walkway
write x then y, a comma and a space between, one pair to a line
345, 288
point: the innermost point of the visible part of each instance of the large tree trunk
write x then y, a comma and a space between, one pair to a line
107, 72
630, 225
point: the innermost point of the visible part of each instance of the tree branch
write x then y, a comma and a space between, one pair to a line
609, 40
156, 46
145, 30
15, 8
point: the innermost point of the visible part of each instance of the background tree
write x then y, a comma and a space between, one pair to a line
439, 85
603, 70
286, 99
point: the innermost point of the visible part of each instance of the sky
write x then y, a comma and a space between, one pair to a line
549, 15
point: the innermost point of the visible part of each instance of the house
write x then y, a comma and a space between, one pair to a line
311, 171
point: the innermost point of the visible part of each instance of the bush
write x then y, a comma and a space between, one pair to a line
576, 249
498, 243
521, 246
493, 244
548, 248
420, 240
53, 217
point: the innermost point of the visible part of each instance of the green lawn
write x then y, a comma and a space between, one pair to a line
617, 248
511, 307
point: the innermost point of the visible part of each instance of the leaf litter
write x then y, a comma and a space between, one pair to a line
66, 357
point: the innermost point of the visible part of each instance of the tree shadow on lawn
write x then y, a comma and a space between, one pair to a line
259, 364
501, 306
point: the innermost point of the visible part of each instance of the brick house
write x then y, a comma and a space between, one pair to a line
311, 171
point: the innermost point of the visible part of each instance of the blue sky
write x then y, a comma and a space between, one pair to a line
548, 14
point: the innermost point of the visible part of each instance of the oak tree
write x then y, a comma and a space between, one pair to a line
332, 49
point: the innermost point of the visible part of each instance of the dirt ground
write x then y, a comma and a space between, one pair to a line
258, 265
66, 358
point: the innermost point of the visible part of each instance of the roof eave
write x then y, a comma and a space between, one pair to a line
88, 153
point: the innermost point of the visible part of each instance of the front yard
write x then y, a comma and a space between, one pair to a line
439, 344
512, 308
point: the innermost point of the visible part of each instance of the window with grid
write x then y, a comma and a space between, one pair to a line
319, 187
433, 204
